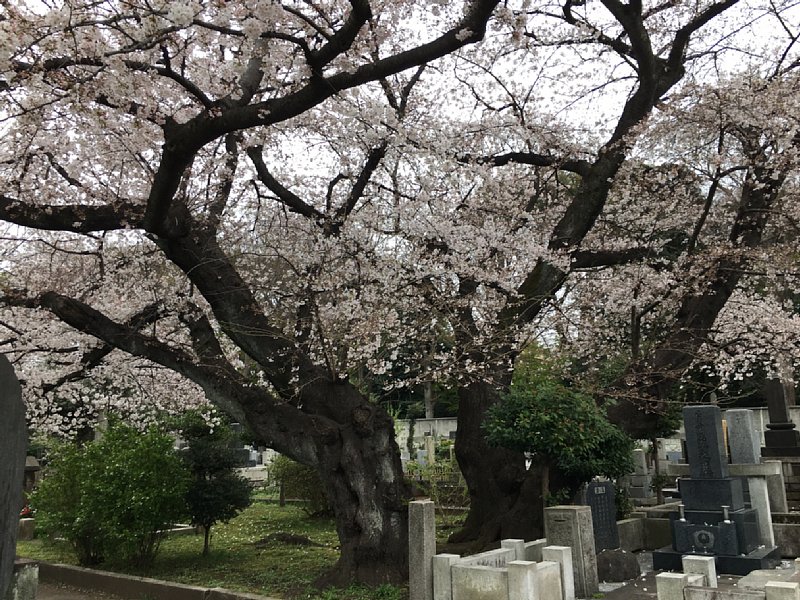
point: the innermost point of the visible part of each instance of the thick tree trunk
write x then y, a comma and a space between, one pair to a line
364, 481
505, 499
358, 461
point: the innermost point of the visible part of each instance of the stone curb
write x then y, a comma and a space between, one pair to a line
134, 588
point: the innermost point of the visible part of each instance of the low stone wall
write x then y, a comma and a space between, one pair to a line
631, 534
134, 588
477, 582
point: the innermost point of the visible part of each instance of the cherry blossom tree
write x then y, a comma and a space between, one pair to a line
245, 202
647, 221
126, 130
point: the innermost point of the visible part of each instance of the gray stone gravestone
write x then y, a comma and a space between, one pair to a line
600, 498
242, 454
572, 526
13, 446
745, 449
639, 482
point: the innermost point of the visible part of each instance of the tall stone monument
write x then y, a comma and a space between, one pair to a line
781, 437
13, 446
713, 519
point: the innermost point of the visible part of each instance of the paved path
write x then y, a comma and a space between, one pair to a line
51, 591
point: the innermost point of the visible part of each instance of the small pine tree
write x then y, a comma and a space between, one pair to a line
216, 492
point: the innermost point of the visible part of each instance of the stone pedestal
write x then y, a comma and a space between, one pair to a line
781, 438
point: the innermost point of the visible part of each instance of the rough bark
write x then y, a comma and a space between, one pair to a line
361, 470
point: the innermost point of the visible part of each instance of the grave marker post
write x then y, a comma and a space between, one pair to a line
572, 526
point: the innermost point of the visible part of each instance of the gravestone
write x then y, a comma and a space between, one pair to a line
430, 449
242, 454
745, 449
781, 438
713, 519
600, 498
13, 446
572, 526
640, 481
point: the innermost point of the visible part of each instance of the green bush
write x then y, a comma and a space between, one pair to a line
113, 497
558, 423
303, 483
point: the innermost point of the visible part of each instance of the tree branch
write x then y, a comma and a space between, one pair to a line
92, 358
77, 218
291, 200
579, 167
374, 159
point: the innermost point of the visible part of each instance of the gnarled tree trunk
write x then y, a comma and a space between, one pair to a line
354, 452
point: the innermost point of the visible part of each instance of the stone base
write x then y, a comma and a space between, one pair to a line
774, 452
25, 580
782, 435
26, 530
640, 493
710, 494
667, 559
705, 532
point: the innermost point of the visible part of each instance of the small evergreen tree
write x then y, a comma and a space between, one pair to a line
217, 493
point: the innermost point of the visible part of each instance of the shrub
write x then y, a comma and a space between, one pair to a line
113, 496
302, 482
559, 424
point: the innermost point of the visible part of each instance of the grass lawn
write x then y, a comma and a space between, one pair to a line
271, 568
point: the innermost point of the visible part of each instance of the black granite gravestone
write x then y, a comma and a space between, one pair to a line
600, 498
781, 437
13, 446
713, 519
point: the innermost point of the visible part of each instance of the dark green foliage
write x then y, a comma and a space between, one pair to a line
301, 482
217, 493
558, 424
113, 496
